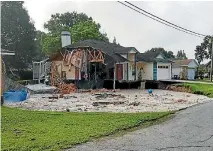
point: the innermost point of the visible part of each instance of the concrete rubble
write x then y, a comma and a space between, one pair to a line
108, 101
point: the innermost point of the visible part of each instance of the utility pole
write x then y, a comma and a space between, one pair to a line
211, 60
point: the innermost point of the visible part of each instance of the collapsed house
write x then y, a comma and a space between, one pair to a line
97, 64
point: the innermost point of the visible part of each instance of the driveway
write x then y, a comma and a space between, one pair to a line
189, 130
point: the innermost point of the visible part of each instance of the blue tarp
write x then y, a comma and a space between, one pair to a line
15, 96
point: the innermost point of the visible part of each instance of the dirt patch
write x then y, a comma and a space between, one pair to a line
179, 88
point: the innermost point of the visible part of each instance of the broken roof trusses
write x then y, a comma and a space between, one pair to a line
77, 57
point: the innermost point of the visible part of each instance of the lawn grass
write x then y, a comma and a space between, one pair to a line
40, 130
198, 88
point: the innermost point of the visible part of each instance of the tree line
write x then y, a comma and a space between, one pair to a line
19, 34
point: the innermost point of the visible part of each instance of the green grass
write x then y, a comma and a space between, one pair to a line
36, 130
203, 89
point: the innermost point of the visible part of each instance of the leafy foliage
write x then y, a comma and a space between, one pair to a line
59, 22
17, 34
80, 26
203, 51
181, 55
167, 54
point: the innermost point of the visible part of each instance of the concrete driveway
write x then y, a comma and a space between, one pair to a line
189, 130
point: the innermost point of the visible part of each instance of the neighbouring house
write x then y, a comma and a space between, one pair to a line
184, 69
153, 66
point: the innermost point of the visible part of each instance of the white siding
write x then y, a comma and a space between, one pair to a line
191, 74
176, 71
160, 56
130, 76
192, 64
164, 73
124, 55
132, 51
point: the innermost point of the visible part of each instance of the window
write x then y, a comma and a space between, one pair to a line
164, 67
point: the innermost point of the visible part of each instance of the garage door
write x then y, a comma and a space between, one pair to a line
191, 74
163, 72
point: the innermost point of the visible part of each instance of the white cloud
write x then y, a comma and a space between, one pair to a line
133, 29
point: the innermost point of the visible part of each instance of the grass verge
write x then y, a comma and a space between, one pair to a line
36, 130
199, 88
203, 89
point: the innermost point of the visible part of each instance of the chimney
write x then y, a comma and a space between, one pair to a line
65, 38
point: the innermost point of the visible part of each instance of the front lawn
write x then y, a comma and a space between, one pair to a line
198, 88
36, 130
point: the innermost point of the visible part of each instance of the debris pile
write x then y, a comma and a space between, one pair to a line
67, 88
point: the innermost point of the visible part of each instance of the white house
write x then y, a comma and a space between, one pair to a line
189, 64
153, 66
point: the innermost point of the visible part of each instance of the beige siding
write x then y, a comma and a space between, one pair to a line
131, 56
69, 74
147, 68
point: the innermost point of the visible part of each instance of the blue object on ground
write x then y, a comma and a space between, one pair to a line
15, 96
150, 91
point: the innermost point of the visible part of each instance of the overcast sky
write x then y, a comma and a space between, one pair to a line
133, 29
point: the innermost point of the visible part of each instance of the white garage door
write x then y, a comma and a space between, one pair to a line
191, 74
163, 72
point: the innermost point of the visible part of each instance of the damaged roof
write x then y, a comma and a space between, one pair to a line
110, 49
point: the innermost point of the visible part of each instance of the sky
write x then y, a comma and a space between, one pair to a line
132, 29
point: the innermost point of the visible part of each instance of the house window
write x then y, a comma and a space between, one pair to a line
164, 67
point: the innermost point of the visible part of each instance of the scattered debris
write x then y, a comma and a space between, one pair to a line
181, 100
68, 97
105, 95
67, 88
134, 103
97, 103
123, 101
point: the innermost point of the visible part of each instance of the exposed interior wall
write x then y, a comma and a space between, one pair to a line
70, 74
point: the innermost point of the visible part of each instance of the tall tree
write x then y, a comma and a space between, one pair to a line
17, 34
80, 26
59, 22
167, 54
181, 55
203, 51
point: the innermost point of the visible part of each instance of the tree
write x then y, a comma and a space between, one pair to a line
80, 26
181, 55
167, 54
59, 22
17, 34
114, 41
203, 51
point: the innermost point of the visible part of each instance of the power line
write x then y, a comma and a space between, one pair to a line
160, 21
164, 20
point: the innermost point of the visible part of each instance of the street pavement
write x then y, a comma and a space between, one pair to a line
189, 130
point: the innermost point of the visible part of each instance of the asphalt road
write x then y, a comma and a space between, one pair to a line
189, 130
